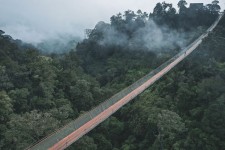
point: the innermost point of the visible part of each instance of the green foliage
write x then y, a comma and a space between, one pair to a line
5, 83
86, 143
102, 142
6, 106
184, 110
214, 8
27, 128
20, 99
169, 123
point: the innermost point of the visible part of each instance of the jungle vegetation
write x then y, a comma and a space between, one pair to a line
41, 92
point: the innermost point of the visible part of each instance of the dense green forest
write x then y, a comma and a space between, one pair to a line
41, 92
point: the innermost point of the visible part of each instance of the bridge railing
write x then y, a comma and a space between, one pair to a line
84, 118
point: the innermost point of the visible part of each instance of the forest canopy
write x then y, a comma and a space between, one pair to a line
41, 92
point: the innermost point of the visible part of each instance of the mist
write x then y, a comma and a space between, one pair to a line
162, 38
151, 37
36, 21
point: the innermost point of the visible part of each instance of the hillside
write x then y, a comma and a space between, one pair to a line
184, 110
41, 92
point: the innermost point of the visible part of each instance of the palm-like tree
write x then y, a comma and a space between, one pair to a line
182, 6
214, 7
182, 3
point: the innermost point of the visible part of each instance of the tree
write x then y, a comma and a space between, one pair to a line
129, 16
158, 10
44, 74
164, 13
214, 7
117, 20
1, 32
117, 128
85, 143
215, 2
182, 6
28, 128
5, 83
214, 120
6, 107
142, 15
169, 124
102, 142
129, 144
20, 100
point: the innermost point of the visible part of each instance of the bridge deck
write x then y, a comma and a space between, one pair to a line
82, 125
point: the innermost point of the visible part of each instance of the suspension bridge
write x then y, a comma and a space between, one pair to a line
70, 133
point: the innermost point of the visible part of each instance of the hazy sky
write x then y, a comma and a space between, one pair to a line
36, 20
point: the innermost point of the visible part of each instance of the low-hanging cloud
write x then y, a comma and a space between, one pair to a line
36, 20
151, 37
111, 36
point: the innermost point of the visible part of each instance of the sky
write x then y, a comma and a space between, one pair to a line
36, 20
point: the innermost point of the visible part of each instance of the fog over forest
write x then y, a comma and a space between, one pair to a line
34, 21
61, 75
